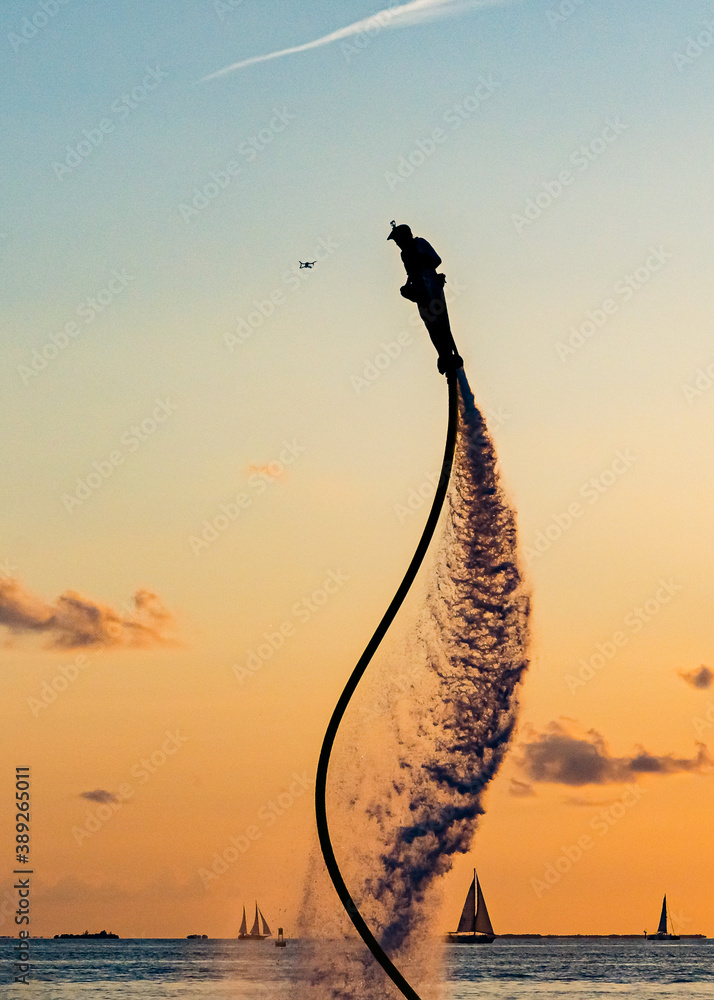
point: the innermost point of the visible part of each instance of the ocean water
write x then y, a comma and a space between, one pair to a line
230, 970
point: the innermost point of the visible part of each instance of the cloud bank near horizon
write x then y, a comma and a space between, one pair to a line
74, 621
401, 16
561, 756
100, 795
701, 678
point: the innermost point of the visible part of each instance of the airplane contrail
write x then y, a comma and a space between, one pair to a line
401, 16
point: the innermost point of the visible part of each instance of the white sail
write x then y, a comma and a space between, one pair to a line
467, 923
243, 926
255, 929
266, 930
483, 921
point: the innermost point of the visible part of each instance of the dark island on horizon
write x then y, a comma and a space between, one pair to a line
101, 936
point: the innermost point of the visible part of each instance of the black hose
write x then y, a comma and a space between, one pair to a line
334, 723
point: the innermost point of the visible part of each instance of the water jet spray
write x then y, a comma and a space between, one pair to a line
473, 634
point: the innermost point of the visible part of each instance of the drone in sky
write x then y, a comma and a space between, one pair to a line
307, 263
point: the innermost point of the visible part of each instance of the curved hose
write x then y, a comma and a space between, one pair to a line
334, 723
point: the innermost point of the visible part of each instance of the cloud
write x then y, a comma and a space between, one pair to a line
562, 757
579, 801
701, 678
520, 789
73, 621
99, 795
268, 470
72, 893
401, 16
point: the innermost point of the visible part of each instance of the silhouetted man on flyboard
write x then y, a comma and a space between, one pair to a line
425, 287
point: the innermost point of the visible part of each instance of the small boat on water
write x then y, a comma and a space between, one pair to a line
280, 941
255, 934
475, 924
662, 933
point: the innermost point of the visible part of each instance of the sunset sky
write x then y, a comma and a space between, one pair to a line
190, 419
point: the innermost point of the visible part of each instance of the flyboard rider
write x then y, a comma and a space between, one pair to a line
425, 287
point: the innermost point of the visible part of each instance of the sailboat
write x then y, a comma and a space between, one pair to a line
662, 934
255, 934
475, 923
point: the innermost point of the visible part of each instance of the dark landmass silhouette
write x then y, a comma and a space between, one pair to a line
101, 936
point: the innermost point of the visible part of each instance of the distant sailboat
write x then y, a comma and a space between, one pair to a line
255, 934
475, 924
662, 934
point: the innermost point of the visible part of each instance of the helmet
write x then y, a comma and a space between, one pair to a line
400, 233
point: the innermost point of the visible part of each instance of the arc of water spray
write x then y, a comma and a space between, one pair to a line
354, 679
